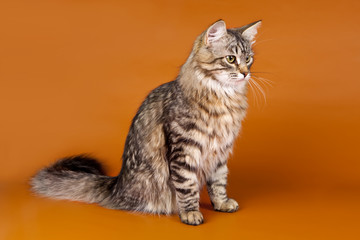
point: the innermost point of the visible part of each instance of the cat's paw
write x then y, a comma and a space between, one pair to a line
191, 217
229, 205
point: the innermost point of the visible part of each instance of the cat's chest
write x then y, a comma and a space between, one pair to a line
221, 121
221, 131
221, 134
218, 122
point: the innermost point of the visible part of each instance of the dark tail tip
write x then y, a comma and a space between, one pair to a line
78, 163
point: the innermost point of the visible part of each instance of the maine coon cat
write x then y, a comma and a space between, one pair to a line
178, 141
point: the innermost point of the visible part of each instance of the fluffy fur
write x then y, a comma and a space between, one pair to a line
178, 141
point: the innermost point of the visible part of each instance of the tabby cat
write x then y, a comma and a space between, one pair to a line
178, 141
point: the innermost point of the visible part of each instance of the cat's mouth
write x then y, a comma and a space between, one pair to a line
238, 77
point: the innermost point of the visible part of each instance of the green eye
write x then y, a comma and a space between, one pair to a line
230, 58
248, 59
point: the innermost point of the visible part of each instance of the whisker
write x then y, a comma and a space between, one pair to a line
259, 89
262, 72
252, 90
264, 80
255, 93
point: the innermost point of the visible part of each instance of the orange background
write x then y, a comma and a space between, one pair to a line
73, 73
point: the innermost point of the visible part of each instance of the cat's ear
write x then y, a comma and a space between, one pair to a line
215, 32
249, 31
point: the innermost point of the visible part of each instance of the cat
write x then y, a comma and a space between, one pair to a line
179, 139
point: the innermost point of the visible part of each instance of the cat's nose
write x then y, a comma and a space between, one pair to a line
244, 70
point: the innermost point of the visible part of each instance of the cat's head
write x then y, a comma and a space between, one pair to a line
222, 57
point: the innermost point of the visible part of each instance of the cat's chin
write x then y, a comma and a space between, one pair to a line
234, 85
236, 82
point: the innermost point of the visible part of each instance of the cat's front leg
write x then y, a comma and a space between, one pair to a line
216, 186
184, 179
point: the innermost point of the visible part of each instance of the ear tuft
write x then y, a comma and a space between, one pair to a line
249, 31
215, 32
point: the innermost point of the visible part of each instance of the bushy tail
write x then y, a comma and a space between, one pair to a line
79, 178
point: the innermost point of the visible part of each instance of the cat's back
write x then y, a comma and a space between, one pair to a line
147, 128
152, 108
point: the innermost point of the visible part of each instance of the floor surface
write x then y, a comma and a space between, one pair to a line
264, 214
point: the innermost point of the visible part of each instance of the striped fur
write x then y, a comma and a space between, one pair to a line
178, 141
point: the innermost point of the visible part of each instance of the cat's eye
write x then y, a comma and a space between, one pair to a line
248, 59
230, 58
